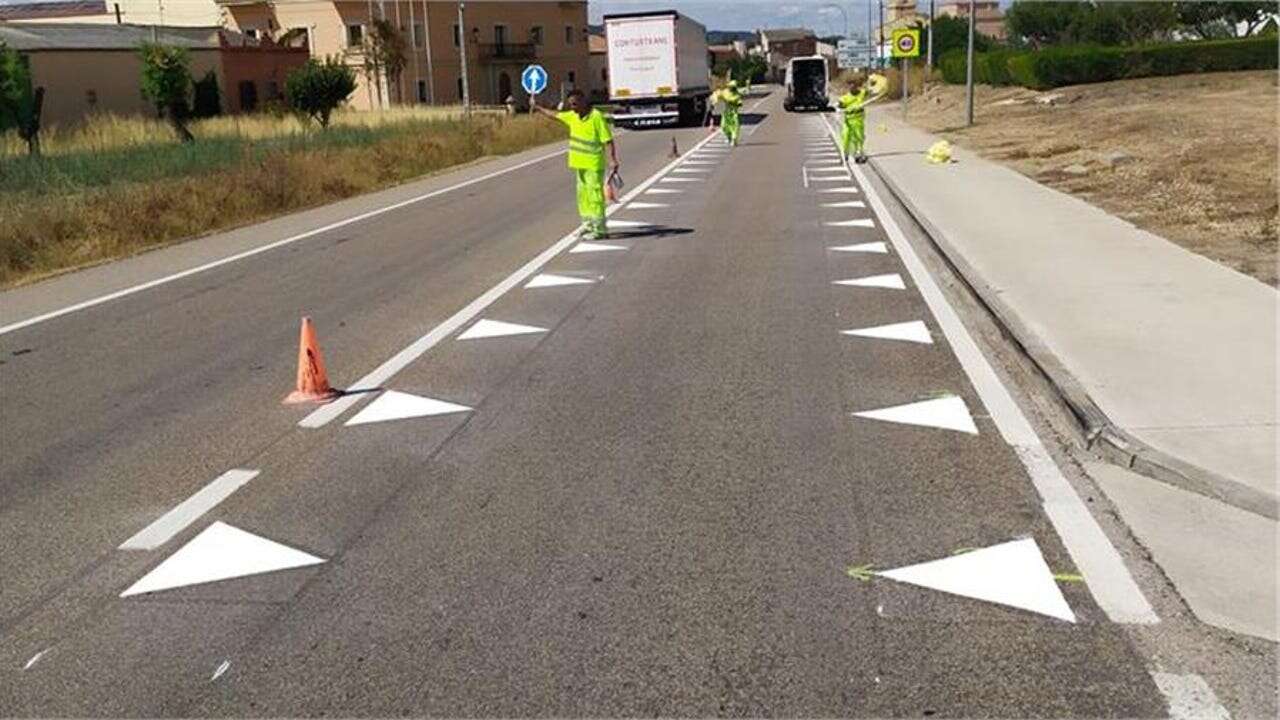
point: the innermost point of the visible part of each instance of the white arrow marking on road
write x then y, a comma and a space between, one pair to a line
948, 413
840, 190
396, 405
645, 206
866, 222
1013, 574
549, 280
914, 331
893, 281
845, 204
586, 247
220, 552
497, 328
870, 247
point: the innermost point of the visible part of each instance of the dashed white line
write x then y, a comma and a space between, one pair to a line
325, 414
174, 521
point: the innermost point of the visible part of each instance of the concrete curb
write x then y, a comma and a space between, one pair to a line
1096, 431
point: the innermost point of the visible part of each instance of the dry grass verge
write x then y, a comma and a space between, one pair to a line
1191, 158
76, 207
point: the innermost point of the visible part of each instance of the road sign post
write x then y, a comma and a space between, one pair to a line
906, 45
534, 80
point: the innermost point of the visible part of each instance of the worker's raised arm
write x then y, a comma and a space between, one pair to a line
541, 110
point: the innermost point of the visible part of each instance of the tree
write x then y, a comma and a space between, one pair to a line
952, 33
751, 68
1210, 20
1042, 23
20, 103
385, 54
1109, 22
316, 89
206, 99
166, 82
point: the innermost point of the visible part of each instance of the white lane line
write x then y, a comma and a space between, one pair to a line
35, 659
1189, 697
326, 413
676, 179
268, 247
804, 172
226, 664
188, 511
1105, 573
646, 206
865, 222
845, 204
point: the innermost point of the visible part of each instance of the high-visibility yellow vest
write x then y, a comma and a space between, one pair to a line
587, 138
852, 104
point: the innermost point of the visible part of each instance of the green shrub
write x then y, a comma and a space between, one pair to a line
1080, 64
992, 67
316, 89
952, 65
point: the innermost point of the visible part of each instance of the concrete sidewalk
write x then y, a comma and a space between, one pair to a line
1168, 358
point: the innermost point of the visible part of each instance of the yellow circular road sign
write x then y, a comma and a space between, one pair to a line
906, 43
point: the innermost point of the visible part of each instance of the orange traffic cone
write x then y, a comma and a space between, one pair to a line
313, 381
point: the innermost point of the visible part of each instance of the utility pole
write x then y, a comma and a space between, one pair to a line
880, 37
462, 48
968, 73
928, 61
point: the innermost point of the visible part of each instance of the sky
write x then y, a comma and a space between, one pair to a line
817, 15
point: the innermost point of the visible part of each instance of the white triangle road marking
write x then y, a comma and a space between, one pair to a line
892, 281
865, 222
914, 331
947, 413
544, 280
220, 552
869, 247
1012, 574
497, 328
396, 405
845, 204
636, 205
586, 247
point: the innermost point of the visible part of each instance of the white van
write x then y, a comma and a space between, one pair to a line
807, 84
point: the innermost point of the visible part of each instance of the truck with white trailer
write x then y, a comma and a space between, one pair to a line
659, 68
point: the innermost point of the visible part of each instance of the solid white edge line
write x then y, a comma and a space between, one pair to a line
326, 413
265, 248
188, 511
1106, 576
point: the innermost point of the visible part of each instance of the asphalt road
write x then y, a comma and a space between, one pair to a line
649, 509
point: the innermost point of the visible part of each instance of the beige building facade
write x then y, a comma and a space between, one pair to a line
501, 38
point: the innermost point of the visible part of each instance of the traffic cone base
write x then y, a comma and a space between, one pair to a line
313, 381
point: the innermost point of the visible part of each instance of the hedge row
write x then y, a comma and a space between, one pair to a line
1081, 64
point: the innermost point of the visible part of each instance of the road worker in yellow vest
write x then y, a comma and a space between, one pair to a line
731, 123
589, 137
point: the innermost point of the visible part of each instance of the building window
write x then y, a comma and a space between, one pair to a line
251, 33
535, 34
422, 91
459, 88
500, 36
572, 77
355, 35
91, 97
456, 36
248, 96
419, 37
568, 34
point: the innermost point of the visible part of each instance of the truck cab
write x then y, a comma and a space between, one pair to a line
806, 84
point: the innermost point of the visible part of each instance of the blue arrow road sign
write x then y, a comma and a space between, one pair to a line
534, 79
